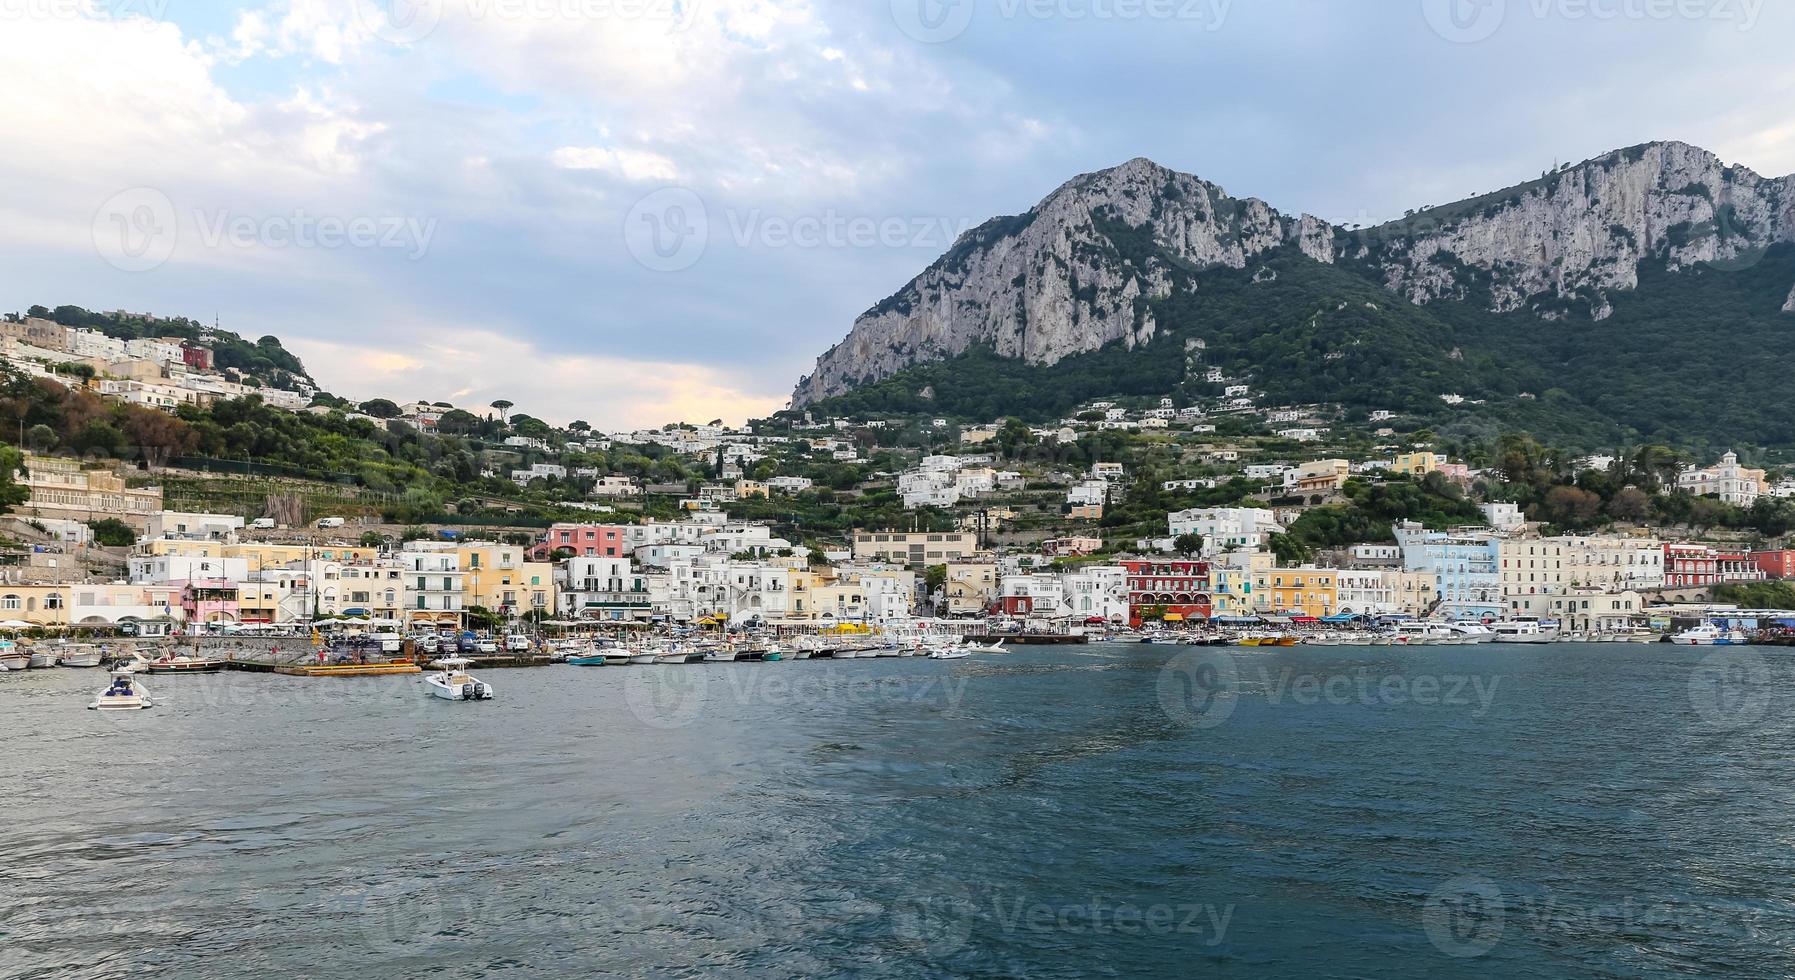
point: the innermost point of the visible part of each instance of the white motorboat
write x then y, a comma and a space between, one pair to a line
995, 646
723, 655
949, 653
44, 656
123, 694
673, 657
454, 683
1710, 635
844, 654
178, 664
643, 657
78, 655
13, 658
1530, 631
1473, 630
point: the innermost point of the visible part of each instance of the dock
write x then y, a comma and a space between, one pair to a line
1032, 639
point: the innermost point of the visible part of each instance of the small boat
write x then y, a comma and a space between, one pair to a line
995, 646
845, 655
454, 683
123, 694
722, 656
671, 658
43, 656
616, 658
179, 664
946, 653
12, 658
642, 657
78, 654
593, 660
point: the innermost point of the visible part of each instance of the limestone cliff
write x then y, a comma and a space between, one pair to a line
1074, 274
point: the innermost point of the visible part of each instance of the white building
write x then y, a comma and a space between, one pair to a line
1225, 529
1732, 483
191, 527
433, 584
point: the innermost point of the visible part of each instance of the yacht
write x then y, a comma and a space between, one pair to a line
1526, 631
454, 683
1709, 635
123, 694
1473, 629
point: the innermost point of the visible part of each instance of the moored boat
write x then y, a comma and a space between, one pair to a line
44, 656
78, 655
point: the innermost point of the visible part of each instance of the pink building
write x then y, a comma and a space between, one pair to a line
210, 601
585, 540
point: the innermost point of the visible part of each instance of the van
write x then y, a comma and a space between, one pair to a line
330, 522
263, 523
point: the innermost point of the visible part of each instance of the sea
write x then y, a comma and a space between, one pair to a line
1112, 810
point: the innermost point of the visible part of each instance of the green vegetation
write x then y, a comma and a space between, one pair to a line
1758, 595
111, 532
265, 359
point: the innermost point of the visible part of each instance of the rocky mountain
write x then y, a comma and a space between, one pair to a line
1094, 264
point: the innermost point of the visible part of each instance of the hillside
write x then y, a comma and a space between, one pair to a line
1615, 293
264, 359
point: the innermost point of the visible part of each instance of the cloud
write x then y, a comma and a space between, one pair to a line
474, 367
637, 165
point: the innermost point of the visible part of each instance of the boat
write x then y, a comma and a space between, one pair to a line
642, 657
1530, 631
720, 656
946, 653
454, 683
13, 658
43, 656
179, 664
995, 646
123, 694
1709, 635
617, 658
1473, 630
844, 654
595, 660
672, 658
78, 655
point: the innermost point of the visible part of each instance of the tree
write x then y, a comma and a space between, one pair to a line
380, 408
1631, 504
579, 426
41, 438
504, 408
110, 532
12, 493
1188, 545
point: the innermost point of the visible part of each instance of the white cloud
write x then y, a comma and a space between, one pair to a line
635, 165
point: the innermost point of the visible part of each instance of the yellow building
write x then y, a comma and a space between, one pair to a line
1417, 464
261, 555
43, 605
745, 489
498, 577
1306, 591
971, 587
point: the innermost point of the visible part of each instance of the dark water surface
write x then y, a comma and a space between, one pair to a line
1568, 811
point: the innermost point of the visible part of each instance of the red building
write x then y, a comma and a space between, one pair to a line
1180, 587
586, 541
1776, 564
1689, 566
196, 357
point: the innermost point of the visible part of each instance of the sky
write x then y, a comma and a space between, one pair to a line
634, 212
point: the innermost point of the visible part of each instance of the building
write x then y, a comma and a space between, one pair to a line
62, 488
606, 589
1071, 547
1366, 592
1225, 529
971, 587
915, 550
500, 578
1416, 464
1700, 566
1305, 591
1732, 483
1465, 566
585, 541
434, 585
1775, 564
1503, 516
174, 524
1178, 589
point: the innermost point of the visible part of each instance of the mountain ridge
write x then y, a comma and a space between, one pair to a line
1088, 266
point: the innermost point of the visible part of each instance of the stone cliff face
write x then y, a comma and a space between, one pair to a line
1066, 277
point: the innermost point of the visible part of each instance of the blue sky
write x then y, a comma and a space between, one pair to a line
637, 211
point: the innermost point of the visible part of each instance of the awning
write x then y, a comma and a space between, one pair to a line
1174, 618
